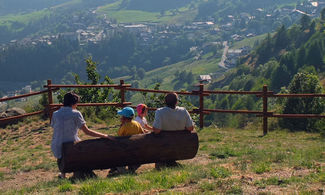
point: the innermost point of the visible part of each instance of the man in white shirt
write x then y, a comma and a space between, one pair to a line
171, 118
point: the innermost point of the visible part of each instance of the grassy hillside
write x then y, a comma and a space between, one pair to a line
229, 161
147, 12
248, 41
207, 64
18, 6
22, 19
166, 75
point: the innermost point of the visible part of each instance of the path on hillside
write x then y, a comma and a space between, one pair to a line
224, 55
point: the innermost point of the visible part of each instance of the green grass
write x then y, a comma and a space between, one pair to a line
220, 172
127, 16
2, 176
248, 41
166, 73
67, 4
113, 10
229, 161
23, 19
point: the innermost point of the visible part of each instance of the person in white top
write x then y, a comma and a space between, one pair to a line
171, 118
66, 123
142, 111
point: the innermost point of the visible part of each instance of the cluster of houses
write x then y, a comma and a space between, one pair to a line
25, 90
105, 28
102, 29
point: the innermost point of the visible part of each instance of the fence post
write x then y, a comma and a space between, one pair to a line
265, 110
50, 98
201, 106
122, 92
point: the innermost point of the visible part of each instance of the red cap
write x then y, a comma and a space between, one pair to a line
140, 108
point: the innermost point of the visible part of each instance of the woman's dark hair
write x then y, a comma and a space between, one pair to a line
70, 99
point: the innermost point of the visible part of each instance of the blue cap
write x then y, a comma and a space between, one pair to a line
126, 112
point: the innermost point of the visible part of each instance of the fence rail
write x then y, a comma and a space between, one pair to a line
201, 93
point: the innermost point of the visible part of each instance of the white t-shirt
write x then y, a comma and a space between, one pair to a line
142, 121
66, 123
172, 119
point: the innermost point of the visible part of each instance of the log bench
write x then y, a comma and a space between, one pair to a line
128, 150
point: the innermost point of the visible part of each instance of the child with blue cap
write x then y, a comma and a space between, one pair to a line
128, 127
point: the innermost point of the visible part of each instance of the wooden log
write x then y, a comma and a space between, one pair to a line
128, 150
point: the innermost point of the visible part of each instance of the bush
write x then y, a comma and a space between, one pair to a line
300, 84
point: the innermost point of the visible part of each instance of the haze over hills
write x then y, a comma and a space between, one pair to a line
18, 6
130, 37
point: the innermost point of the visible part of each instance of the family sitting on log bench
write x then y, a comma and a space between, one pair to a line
173, 139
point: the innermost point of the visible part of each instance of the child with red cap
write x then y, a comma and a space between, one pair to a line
142, 110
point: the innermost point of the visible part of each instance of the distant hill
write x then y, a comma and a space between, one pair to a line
56, 58
300, 48
154, 5
17, 6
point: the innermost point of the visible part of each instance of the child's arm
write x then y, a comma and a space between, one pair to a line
148, 127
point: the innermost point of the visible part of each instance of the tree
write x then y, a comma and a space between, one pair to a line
301, 55
303, 83
280, 77
314, 55
281, 38
305, 22
95, 95
322, 14
141, 73
288, 59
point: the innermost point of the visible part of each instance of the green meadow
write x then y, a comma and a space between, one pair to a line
229, 161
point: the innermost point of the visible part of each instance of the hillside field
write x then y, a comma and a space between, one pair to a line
229, 161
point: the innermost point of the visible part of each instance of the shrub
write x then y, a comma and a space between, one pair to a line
303, 83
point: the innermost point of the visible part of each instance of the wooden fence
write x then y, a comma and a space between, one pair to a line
201, 93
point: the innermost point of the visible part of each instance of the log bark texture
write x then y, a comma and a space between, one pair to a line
129, 150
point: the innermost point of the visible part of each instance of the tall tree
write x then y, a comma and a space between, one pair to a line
314, 55
303, 83
305, 22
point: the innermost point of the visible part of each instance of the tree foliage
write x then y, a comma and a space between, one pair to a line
300, 84
95, 95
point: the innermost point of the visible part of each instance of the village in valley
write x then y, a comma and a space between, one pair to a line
232, 28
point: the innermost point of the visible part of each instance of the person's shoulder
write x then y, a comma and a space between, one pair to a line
159, 109
136, 123
162, 109
76, 112
180, 108
56, 112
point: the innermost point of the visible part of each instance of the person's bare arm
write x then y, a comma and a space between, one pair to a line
155, 130
148, 127
190, 128
93, 133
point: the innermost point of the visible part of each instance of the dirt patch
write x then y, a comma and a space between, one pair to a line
4, 170
25, 179
200, 159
